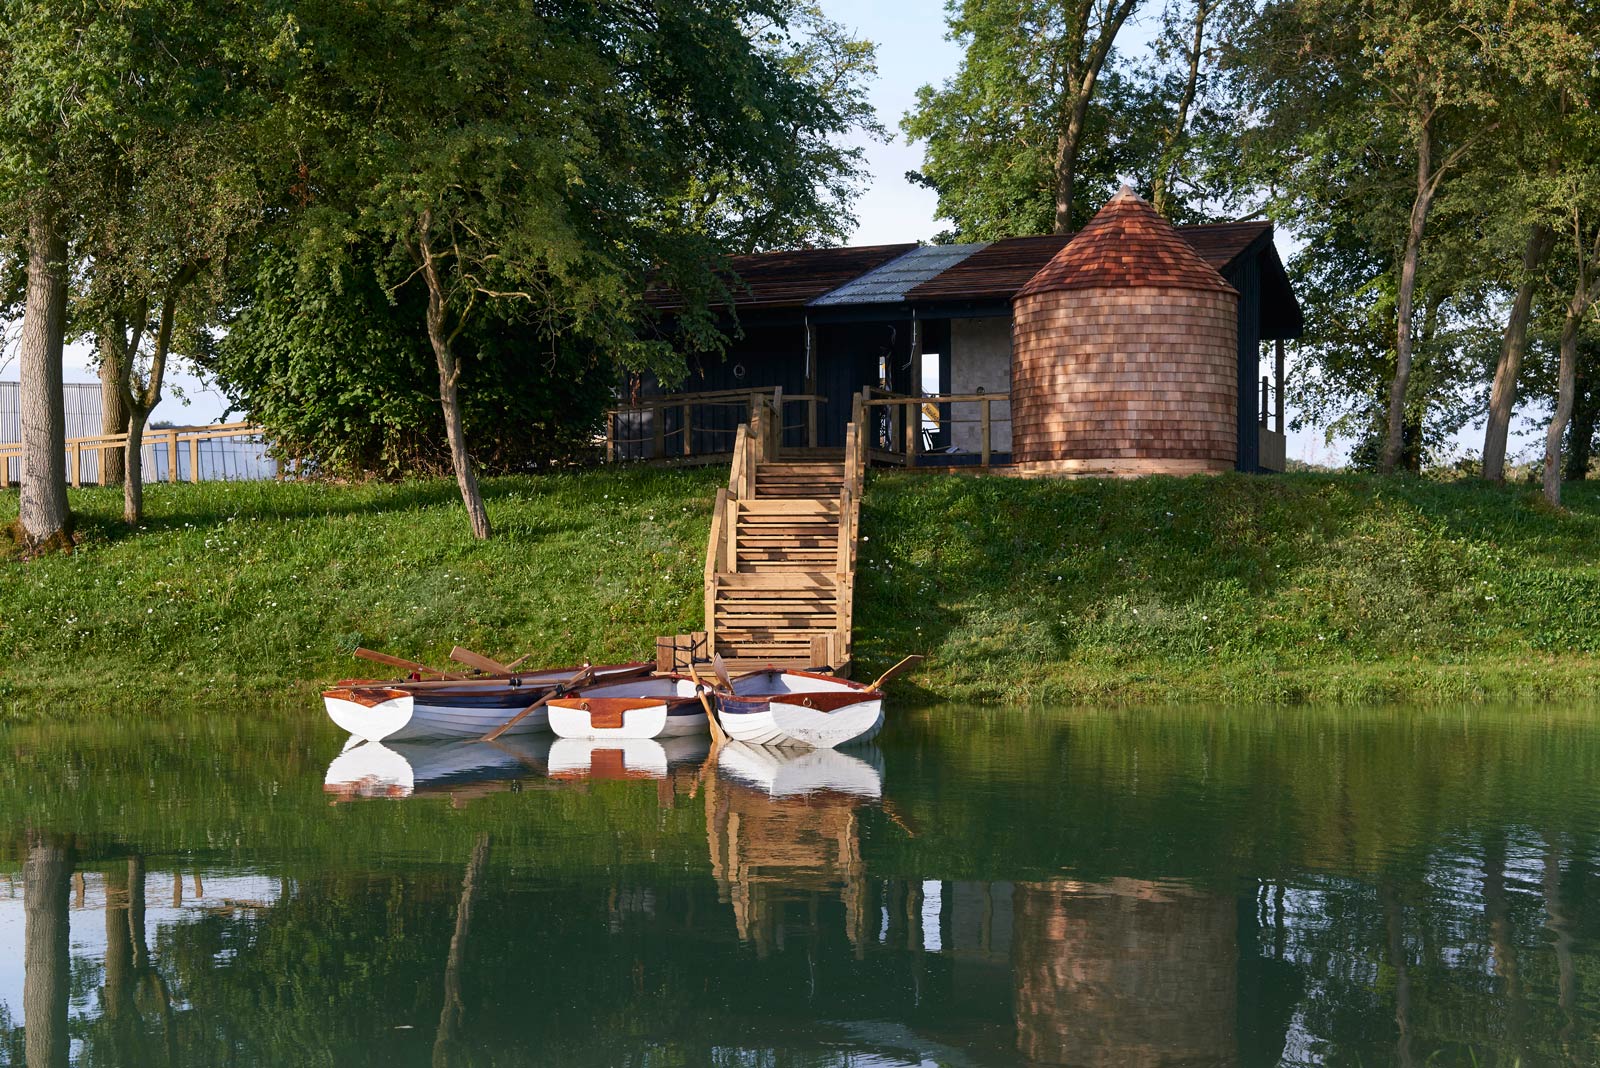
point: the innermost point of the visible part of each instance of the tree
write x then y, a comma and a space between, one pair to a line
830, 69
340, 373
1185, 38
1017, 113
532, 163
46, 95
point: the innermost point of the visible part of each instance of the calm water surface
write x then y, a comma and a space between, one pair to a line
981, 888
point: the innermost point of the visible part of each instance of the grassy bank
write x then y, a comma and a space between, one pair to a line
1289, 589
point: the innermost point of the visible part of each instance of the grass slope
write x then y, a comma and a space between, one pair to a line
1286, 589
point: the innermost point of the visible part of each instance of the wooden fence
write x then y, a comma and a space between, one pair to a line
935, 430
700, 428
86, 456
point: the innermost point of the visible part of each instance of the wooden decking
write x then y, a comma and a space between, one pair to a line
780, 564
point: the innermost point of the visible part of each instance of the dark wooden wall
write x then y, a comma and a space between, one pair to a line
1244, 275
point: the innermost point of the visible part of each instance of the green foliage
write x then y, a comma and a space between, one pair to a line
339, 372
1285, 590
992, 130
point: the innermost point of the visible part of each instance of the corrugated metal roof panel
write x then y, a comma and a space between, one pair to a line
890, 283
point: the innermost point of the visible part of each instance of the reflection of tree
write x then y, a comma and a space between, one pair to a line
46, 875
766, 852
446, 1040
1125, 972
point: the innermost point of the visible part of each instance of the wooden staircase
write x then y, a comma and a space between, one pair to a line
781, 562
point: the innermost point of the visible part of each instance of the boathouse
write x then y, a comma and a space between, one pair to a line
1131, 347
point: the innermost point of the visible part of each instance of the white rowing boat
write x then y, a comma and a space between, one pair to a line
664, 706
452, 708
800, 709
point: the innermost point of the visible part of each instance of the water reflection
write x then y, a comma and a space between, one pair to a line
1088, 889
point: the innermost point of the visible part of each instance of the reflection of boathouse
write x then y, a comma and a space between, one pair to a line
767, 852
1126, 972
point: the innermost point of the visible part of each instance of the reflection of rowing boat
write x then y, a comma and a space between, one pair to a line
624, 758
401, 769
800, 709
792, 772
452, 708
662, 706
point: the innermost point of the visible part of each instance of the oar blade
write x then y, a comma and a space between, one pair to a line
905, 665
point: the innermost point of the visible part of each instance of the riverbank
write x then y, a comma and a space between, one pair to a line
1292, 589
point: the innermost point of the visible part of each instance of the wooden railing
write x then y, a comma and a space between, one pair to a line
689, 428
955, 428
172, 442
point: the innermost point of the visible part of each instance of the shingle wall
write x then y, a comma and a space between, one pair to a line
1128, 375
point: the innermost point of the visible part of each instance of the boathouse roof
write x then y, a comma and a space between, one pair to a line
978, 275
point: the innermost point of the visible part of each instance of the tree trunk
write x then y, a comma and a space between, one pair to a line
1513, 345
1394, 444
1080, 73
44, 521
1565, 388
1167, 163
133, 480
1584, 293
1065, 165
46, 880
113, 412
141, 398
449, 379
1580, 432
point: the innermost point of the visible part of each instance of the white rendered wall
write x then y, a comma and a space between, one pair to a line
980, 358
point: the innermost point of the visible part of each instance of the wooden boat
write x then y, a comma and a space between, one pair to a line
664, 706
800, 709
801, 772
624, 758
452, 708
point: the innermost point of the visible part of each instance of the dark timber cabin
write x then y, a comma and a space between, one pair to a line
1130, 347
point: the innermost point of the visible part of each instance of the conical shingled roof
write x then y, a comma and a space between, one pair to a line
1126, 244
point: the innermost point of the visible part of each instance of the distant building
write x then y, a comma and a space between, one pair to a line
231, 459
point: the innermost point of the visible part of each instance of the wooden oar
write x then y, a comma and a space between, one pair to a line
721, 667
394, 661
909, 662
518, 662
717, 735
576, 680
479, 661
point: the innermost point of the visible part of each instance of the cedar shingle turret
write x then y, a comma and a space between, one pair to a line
1126, 244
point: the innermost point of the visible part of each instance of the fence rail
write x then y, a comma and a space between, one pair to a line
691, 428
936, 429
164, 451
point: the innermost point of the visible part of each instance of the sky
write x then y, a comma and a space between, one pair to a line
912, 51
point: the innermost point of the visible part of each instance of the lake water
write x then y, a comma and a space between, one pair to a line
982, 887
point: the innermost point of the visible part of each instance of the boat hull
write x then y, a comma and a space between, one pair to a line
659, 707
799, 709
770, 720
463, 708
370, 714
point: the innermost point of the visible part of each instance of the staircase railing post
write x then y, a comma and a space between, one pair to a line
987, 421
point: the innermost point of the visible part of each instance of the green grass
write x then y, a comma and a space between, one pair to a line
1292, 589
